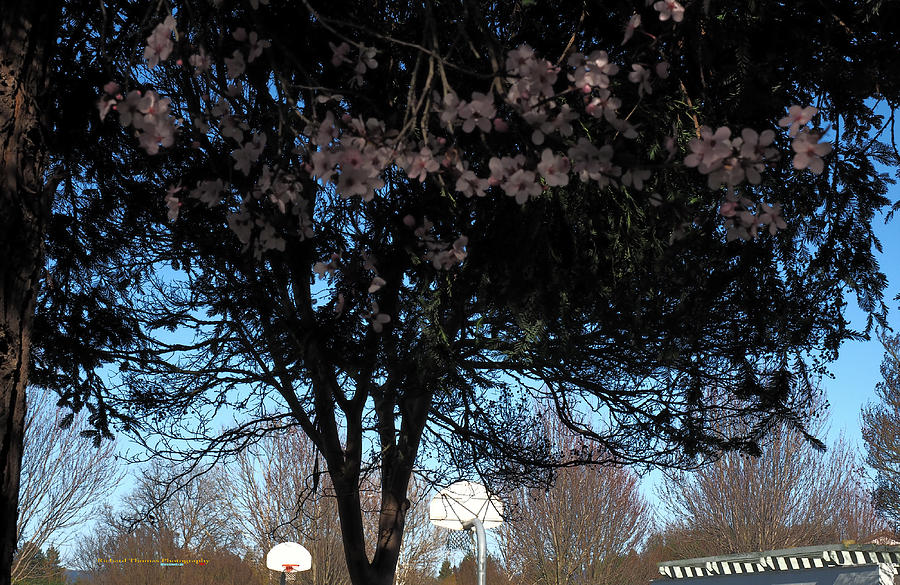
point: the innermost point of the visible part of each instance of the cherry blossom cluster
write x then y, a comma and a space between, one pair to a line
730, 161
809, 151
350, 155
442, 255
149, 114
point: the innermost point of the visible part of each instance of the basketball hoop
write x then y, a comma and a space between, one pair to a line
288, 557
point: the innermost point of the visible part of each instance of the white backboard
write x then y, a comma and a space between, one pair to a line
289, 553
463, 501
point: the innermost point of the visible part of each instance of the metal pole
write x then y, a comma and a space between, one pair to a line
481, 548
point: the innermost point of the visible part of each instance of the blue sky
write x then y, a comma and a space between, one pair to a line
857, 369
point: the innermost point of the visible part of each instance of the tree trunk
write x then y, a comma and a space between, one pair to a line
26, 35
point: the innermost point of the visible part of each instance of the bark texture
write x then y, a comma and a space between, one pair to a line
26, 38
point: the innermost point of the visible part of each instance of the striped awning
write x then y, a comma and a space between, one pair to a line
784, 560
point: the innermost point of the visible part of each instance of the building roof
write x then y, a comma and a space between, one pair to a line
808, 557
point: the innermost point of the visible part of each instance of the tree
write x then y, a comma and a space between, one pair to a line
583, 529
371, 323
27, 38
63, 478
791, 495
43, 568
194, 525
466, 572
881, 432
279, 493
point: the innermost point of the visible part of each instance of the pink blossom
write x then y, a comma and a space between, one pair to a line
376, 285
592, 163
159, 43
469, 184
256, 47
478, 112
669, 9
155, 133
797, 117
771, 216
449, 107
339, 54
447, 259
128, 109
662, 69
554, 169
635, 178
633, 23
517, 58
377, 319
604, 104
708, 151
521, 185
809, 152
248, 153
641, 76
235, 65
200, 61
209, 192
172, 202
592, 71
105, 104
421, 164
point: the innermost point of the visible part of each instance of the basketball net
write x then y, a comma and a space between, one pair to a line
461, 540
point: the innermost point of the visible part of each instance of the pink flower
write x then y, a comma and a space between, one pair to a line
633, 23
422, 164
173, 203
248, 153
641, 76
554, 168
376, 285
377, 319
159, 43
662, 69
256, 46
209, 192
521, 185
708, 151
809, 152
797, 117
669, 9
339, 54
518, 58
771, 216
478, 112
105, 104
200, 61
235, 65
635, 178
469, 184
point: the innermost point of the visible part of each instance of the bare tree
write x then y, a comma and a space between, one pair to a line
582, 529
881, 431
281, 491
64, 477
278, 493
791, 495
194, 524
